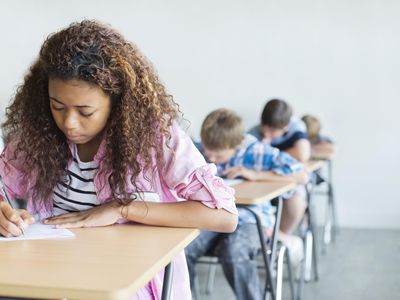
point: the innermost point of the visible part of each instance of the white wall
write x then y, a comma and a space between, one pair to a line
338, 59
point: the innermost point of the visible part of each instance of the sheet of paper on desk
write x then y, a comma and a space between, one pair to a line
39, 231
231, 182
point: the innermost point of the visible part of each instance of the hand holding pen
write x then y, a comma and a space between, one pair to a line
12, 221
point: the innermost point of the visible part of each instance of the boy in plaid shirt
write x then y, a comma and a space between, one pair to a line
238, 155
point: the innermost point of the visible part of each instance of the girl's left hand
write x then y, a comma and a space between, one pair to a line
103, 215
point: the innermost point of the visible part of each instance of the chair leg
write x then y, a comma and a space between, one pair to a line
332, 202
315, 259
210, 278
328, 218
196, 290
327, 229
308, 255
333, 211
283, 252
301, 280
311, 255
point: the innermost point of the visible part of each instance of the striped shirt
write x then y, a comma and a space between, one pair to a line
259, 156
77, 192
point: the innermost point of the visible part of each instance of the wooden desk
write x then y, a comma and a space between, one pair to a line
257, 192
322, 155
110, 262
310, 259
313, 165
330, 225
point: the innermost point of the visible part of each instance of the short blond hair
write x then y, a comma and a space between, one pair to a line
313, 125
222, 129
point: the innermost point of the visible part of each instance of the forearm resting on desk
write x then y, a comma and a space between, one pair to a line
253, 175
192, 214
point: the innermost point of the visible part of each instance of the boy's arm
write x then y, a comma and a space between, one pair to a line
264, 162
301, 150
300, 177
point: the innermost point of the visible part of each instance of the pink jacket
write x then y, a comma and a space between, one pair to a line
185, 175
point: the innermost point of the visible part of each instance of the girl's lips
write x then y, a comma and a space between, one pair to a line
74, 137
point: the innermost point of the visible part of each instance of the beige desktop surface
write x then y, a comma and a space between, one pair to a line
99, 263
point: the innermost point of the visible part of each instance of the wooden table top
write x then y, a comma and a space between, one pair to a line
313, 165
323, 155
110, 262
257, 192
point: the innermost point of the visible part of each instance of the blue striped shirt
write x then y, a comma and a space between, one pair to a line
259, 156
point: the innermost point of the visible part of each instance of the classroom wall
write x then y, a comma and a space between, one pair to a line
338, 59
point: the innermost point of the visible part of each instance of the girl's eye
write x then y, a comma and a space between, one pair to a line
57, 108
85, 114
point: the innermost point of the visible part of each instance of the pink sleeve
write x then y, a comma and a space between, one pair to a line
11, 174
186, 172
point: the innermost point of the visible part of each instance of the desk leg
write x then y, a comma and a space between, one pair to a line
332, 201
167, 283
310, 239
274, 240
330, 225
282, 251
269, 286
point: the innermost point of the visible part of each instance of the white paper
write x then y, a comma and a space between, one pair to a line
39, 231
146, 196
231, 182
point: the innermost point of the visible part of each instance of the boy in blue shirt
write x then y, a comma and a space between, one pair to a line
281, 130
238, 155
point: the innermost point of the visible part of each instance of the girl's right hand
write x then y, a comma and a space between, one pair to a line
12, 220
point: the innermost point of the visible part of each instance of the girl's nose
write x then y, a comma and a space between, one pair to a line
70, 120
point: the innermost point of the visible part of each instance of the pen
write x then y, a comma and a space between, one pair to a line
3, 188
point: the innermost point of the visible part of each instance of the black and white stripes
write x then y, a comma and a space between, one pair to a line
78, 192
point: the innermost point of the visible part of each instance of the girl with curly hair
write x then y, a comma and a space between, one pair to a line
90, 130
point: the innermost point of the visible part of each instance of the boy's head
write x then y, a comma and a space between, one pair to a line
313, 125
221, 133
275, 118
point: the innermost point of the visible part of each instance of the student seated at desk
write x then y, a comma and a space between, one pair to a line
224, 143
319, 142
280, 129
90, 129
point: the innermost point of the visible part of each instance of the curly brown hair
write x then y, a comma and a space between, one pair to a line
141, 114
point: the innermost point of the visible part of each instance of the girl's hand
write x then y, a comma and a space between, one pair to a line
12, 220
245, 173
103, 215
